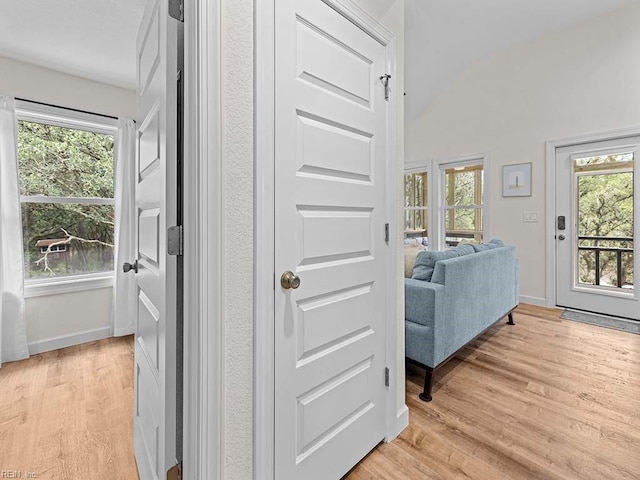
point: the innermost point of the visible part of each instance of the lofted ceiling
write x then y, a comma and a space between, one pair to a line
443, 37
96, 38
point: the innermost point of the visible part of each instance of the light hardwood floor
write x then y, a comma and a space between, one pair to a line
546, 399
67, 414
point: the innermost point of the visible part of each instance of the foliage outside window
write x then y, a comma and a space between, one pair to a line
463, 204
605, 204
67, 188
415, 204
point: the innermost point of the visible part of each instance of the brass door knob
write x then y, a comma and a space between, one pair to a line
289, 280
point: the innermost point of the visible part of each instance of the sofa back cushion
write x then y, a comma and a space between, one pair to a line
426, 261
491, 244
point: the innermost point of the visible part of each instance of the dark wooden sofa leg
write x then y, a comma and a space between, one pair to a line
428, 383
510, 322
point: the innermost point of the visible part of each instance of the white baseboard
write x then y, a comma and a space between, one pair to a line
402, 422
64, 341
537, 301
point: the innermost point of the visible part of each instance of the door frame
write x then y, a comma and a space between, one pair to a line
203, 415
264, 229
551, 147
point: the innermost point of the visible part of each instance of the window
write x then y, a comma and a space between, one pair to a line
66, 169
415, 205
463, 191
605, 206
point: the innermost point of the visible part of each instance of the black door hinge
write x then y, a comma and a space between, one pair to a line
386, 376
175, 240
386, 232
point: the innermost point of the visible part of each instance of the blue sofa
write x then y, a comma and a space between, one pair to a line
453, 297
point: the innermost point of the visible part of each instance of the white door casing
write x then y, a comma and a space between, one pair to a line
156, 207
330, 167
569, 293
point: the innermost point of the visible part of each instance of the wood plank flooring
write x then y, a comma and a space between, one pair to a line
68, 414
546, 399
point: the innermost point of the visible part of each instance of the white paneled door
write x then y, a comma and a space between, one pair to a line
330, 150
156, 202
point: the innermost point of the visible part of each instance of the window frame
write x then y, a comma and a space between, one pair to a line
449, 201
424, 173
78, 120
438, 200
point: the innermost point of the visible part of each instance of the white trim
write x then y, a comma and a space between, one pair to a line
62, 117
79, 200
65, 341
264, 349
551, 147
396, 224
203, 231
437, 188
67, 284
537, 301
402, 421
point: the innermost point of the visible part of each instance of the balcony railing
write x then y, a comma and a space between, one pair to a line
598, 249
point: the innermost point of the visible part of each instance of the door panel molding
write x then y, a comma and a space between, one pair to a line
550, 211
264, 368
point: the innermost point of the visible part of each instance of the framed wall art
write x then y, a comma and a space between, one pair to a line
516, 180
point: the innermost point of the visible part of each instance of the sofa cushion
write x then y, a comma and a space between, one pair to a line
424, 241
494, 243
410, 254
426, 261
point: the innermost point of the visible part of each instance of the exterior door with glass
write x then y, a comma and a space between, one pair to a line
596, 222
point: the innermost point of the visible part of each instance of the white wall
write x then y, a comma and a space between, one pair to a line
238, 164
585, 79
63, 319
56, 321
30, 82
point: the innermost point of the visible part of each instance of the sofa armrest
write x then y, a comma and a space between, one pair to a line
423, 301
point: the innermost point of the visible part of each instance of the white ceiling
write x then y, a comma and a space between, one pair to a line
443, 37
96, 38
90, 38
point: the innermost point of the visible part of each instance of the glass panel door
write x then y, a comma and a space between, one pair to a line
596, 224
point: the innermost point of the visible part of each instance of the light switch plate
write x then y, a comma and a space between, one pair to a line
530, 217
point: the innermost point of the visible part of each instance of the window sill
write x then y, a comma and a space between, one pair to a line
56, 286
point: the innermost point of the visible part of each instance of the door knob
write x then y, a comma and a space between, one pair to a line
561, 237
289, 280
126, 266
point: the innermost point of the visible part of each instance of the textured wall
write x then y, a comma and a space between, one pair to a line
237, 151
581, 80
31, 82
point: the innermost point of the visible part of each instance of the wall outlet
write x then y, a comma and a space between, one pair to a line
530, 217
